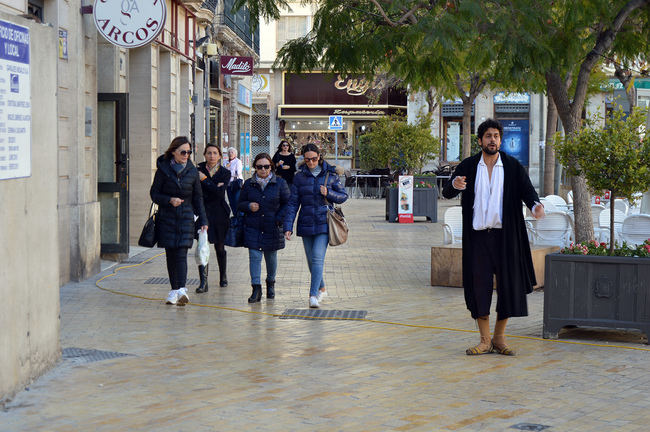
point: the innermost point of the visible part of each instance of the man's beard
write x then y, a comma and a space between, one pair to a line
489, 151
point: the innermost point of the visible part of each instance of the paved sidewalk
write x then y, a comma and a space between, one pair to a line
215, 366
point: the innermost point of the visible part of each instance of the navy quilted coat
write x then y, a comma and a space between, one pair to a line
175, 225
262, 229
306, 198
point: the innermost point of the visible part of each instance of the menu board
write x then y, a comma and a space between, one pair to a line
15, 102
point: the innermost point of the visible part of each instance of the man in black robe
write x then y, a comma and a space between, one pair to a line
495, 241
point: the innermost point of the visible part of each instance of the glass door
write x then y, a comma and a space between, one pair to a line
113, 171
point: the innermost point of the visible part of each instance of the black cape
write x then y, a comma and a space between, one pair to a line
516, 261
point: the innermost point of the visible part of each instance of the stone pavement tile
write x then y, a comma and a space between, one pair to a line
205, 368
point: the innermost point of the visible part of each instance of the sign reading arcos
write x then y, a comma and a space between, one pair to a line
130, 23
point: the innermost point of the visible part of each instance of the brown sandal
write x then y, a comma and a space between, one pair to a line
477, 351
503, 350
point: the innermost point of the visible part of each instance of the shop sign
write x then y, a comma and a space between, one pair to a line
15, 102
63, 44
231, 65
244, 96
512, 98
328, 89
405, 191
369, 112
130, 23
261, 83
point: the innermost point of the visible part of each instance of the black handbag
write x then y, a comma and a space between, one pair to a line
148, 237
235, 233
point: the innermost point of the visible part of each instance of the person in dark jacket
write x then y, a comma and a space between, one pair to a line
495, 241
263, 199
214, 180
285, 162
315, 184
177, 191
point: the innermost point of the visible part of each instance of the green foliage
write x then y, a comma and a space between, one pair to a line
394, 143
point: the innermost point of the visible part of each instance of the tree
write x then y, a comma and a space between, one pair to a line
614, 158
570, 39
392, 142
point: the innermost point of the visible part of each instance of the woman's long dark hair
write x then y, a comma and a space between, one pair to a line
312, 148
287, 143
176, 143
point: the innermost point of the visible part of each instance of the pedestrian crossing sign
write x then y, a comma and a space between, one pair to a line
336, 123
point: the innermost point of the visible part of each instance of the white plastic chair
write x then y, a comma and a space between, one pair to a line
635, 229
619, 204
603, 222
452, 227
549, 206
596, 209
558, 202
636, 207
555, 228
569, 197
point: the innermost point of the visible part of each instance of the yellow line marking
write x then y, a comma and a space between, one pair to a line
277, 315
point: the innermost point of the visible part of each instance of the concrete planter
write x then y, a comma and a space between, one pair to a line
596, 291
425, 203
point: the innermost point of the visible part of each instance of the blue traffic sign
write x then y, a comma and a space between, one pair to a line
336, 123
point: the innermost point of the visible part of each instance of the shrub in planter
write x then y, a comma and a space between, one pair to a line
614, 158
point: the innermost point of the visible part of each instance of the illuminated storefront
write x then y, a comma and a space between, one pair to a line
309, 99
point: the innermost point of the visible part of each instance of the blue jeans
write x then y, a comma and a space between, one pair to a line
315, 248
255, 265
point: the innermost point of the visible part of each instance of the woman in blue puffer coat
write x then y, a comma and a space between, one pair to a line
310, 196
177, 191
263, 200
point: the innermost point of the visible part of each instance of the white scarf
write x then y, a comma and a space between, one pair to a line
488, 196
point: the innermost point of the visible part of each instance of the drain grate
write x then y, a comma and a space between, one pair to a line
165, 281
529, 427
81, 355
323, 314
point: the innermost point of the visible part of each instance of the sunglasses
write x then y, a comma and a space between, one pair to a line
312, 159
259, 167
285, 145
185, 152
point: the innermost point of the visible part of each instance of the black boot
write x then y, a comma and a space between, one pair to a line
257, 294
270, 289
203, 274
222, 260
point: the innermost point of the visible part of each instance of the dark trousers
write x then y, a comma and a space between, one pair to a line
486, 262
176, 267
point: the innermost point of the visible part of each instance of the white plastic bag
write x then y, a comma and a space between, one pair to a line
202, 254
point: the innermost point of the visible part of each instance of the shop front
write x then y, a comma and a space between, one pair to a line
308, 101
452, 129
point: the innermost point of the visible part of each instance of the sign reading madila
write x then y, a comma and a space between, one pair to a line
231, 65
130, 23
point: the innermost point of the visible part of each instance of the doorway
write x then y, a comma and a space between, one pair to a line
113, 173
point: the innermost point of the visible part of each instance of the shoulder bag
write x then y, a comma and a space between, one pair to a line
235, 233
337, 226
148, 237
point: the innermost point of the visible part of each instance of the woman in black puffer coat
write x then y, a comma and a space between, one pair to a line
214, 181
177, 191
263, 200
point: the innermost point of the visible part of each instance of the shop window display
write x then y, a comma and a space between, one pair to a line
324, 140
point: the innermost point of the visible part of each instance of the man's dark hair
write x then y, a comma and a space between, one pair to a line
487, 124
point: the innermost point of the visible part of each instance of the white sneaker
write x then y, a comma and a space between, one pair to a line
313, 302
321, 295
172, 297
182, 297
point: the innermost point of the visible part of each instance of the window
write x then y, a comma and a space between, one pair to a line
35, 9
291, 27
643, 101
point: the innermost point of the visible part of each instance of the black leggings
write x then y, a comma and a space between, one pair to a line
177, 267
